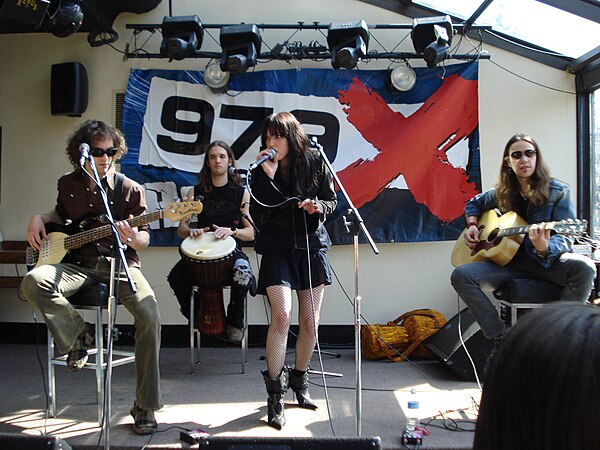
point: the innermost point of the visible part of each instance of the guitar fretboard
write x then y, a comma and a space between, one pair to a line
85, 237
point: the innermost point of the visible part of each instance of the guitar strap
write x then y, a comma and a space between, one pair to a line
118, 196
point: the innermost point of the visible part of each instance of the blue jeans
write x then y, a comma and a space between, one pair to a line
573, 271
47, 288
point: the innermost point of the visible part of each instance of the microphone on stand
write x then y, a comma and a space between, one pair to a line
234, 171
84, 152
270, 155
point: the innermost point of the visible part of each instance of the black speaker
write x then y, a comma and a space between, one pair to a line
17, 441
290, 443
446, 346
69, 89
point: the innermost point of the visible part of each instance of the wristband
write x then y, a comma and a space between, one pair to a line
235, 231
472, 223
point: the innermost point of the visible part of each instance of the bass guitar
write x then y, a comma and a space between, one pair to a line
54, 249
501, 235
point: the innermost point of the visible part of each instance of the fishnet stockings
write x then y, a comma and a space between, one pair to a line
309, 307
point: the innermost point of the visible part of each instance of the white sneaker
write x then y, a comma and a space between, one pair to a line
235, 334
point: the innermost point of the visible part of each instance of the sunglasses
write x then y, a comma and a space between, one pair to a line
529, 153
98, 152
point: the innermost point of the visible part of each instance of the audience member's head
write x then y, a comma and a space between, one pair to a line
542, 390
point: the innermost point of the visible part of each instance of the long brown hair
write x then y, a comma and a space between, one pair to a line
301, 159
92, 131
507, 185
205, 176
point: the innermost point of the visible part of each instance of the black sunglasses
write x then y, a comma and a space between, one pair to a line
98, 152
529, 153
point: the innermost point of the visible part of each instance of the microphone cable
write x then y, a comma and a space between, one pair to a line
312, 304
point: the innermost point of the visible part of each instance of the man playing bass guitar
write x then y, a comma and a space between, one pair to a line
524, 187
48, 286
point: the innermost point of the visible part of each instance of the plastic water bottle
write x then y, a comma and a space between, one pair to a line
412, 419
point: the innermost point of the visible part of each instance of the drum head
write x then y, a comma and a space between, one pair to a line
207, 247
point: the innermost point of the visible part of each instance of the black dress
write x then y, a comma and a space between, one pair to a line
293, 243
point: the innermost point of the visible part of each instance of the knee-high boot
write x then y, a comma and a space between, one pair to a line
299, 384
276, 389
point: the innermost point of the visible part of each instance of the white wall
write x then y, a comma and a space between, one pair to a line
402, 277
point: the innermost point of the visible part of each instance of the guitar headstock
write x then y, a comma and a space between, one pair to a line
180, 210
570, 226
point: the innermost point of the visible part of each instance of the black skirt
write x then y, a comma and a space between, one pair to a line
291, 268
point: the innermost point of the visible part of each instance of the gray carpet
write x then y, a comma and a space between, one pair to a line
220, 400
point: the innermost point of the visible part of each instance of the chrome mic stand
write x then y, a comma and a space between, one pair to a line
115, 269
354, 225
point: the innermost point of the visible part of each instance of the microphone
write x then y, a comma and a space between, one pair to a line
84, 151
263, 158
234, 171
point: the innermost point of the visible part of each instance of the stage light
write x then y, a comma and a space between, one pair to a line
67, 18
240, 46
348, 43
182, 36
403, 78
431, 37
215, 78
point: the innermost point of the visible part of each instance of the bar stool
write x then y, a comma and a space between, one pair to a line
195, 334
521, 294
95, 298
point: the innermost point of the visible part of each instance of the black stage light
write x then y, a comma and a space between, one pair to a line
182, 36
348, 43
67, 18
431, 37
240, 47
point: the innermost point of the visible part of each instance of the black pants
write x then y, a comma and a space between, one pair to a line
182, 287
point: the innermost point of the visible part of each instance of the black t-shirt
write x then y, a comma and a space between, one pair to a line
221, 207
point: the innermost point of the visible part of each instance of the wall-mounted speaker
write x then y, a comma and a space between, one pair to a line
69, 89
446, 346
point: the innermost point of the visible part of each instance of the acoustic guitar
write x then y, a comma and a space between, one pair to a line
57, 245
501, 235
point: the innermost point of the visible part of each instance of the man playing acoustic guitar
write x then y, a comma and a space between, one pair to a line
524, 187
48, 286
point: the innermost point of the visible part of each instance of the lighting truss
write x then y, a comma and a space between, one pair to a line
299, 51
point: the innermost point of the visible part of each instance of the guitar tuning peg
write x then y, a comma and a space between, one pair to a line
176, 199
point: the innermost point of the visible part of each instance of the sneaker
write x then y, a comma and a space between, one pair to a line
143, 420
78, 355
235, 334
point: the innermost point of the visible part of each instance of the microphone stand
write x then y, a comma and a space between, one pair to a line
354, 225
117, 261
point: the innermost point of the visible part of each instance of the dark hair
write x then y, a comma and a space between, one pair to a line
205, 176
507, 185
302, 161
542, 388
92, 131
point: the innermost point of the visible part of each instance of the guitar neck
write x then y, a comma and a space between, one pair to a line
512, 231
85, 237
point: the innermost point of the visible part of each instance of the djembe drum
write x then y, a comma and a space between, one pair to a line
209, 263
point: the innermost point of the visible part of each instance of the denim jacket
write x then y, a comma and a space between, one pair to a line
559, 207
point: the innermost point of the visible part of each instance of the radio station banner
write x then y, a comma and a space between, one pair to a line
409, 161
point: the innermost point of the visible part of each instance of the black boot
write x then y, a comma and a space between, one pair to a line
299, 384
276, 389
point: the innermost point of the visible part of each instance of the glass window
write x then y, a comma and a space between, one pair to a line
530, 21
595, 144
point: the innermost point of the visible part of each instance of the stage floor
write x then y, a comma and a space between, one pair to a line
222, 401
